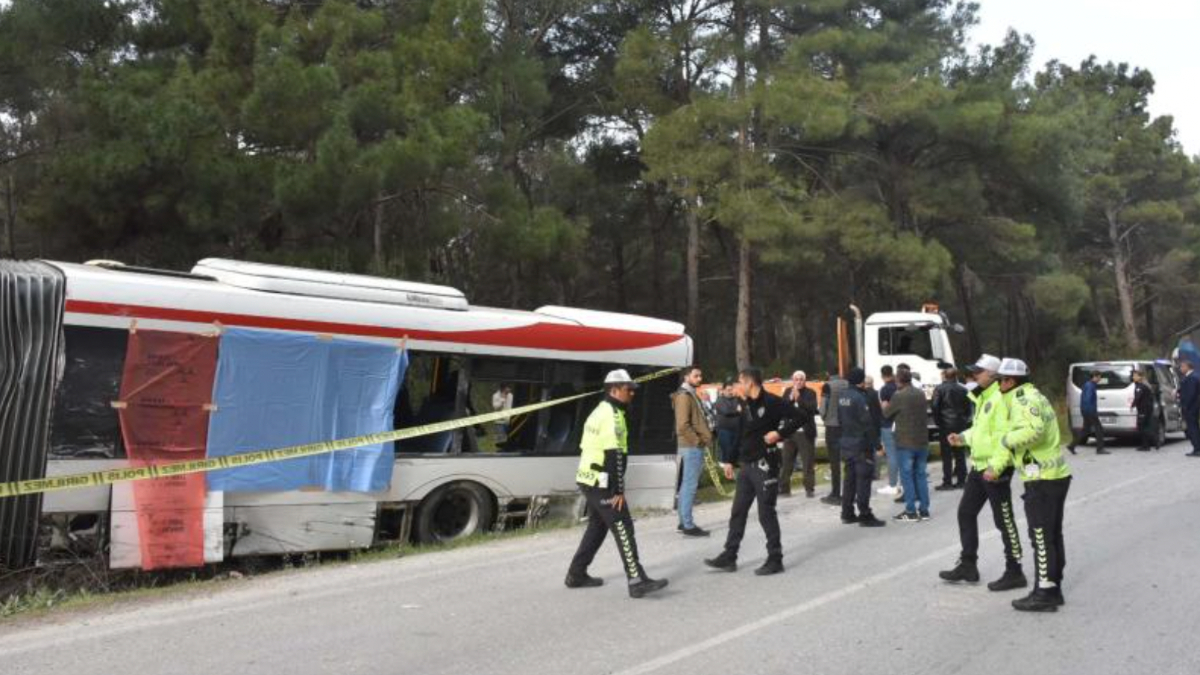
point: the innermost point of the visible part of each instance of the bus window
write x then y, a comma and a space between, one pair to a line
563, 424
493, 380
429, 394
84, 424
651, 417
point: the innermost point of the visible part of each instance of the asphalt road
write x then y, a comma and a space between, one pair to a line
852, 601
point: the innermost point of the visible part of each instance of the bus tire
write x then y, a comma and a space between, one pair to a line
455, 510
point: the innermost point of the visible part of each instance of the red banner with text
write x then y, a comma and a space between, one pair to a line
166, 390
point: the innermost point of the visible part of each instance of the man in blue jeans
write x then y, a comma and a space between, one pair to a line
907, 408
693, 435
887, 432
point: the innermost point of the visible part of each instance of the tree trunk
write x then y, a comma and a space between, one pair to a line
1099, 310
1121, 264
618, 272
965, 297
693, 267
377, 236
743, 344
658, 251
1148, 310
10, 219
743, 347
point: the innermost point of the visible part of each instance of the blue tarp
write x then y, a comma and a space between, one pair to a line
277, 389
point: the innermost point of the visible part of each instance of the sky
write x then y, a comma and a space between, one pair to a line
1162, 36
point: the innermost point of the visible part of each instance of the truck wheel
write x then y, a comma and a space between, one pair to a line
453, 511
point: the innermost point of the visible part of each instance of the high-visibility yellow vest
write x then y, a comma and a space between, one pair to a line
604, 429
988, 425
1031, 439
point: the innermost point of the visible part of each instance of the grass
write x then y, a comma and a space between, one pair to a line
86, 584
43, 599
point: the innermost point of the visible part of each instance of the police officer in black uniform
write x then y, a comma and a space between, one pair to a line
860, 439
765, 421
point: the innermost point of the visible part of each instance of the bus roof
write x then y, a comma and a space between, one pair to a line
109, 297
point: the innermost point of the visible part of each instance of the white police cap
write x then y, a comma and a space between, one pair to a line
985, 362
1013, 368
619, 376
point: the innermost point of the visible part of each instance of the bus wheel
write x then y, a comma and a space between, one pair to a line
453, 511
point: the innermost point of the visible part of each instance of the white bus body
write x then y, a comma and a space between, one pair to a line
437, 323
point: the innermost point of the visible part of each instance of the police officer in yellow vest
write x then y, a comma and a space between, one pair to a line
983, 438
1030, 443
601, 478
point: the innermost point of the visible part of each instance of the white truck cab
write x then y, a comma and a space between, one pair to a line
919, 339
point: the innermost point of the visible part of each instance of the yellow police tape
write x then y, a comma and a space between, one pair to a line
714, 471
134, 473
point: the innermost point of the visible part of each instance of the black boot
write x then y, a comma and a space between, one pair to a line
772, 566
1040, 600
644, 585
1056, 595
1013, 578
869, 520
965, 570
574, 580
726, 562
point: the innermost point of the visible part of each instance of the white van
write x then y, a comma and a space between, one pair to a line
1114, 396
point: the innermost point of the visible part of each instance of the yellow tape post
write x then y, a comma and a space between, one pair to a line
135, 473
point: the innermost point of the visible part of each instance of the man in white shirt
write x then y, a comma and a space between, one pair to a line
502, 400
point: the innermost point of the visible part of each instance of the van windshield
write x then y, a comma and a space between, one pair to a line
1111, 377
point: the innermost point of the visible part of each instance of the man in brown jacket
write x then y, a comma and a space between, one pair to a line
693, 435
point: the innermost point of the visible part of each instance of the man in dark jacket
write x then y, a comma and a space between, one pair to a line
765, 422
803, 442
830, 393
1143, 404
952, 414
1189, 401
1089, 408
729, 412
860, 438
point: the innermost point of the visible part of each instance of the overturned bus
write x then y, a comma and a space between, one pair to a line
108, 366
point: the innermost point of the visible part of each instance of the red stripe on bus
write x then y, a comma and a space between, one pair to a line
535, 336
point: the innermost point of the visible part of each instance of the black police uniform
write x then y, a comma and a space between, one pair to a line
860, 438
758, 476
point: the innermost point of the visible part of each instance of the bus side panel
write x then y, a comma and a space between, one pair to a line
651, 478
32, 300
125, 545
